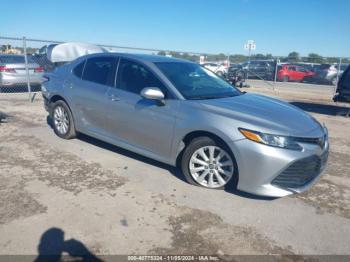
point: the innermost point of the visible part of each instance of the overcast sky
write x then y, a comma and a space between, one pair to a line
211, 26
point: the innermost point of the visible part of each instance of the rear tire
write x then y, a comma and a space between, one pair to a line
285, 79
209, 164
62, 120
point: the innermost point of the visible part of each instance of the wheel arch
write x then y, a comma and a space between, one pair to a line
200, 133
56, 98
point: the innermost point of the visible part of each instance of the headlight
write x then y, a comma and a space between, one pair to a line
271, 140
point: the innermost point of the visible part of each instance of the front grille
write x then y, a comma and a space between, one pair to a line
321, 141
301, 172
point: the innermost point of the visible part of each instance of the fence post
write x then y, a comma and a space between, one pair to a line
27, 69
275, 76
339, 67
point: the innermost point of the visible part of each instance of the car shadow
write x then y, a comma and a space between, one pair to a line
53, 248
127, 153
118, 150
175, 171
324, 109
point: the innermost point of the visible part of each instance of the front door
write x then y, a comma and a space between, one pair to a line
139, 122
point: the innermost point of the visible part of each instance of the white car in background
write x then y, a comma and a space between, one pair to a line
217, 68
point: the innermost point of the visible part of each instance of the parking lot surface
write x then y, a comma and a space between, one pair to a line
115, 202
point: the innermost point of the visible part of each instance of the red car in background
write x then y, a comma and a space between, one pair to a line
288, 73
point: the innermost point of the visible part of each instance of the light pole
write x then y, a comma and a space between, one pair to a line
250, 45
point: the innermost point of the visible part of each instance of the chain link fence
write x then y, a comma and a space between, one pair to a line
24, 61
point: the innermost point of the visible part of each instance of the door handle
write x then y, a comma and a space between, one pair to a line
113, 98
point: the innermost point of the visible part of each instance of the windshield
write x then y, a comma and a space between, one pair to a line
196, 82
9, 59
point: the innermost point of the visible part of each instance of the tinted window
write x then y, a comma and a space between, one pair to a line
133, 77
78, 70
324, 66
343, 67
15, 59
254, 63
346, 80
100, 70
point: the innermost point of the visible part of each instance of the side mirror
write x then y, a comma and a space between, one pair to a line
152, 93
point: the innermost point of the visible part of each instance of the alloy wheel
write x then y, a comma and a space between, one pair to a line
61, 120
211, 167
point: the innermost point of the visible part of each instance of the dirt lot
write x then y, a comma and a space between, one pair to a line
111, 201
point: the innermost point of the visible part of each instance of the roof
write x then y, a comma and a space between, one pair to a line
153, 58
11, 55
139, 57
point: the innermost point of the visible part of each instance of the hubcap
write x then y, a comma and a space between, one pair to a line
61, 120
211, 166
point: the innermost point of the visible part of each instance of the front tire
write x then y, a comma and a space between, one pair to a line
208, 164
62, 120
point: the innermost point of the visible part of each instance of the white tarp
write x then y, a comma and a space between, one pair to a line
69, 51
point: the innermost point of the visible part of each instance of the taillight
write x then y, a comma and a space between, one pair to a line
39, 70
6, 69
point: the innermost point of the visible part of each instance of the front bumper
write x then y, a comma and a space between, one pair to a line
261, 168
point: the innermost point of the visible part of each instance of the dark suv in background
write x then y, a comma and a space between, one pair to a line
343, 89
261, 69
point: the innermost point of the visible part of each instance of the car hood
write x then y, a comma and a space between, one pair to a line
265, 114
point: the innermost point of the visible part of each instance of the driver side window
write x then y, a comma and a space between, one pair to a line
133, 77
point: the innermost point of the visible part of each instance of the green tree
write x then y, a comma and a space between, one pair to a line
293, 57
258, 56
5, 47
238, 58
162, 53
315, 58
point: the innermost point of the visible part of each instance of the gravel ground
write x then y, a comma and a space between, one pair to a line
86, 194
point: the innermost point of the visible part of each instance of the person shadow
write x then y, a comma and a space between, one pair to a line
52, 247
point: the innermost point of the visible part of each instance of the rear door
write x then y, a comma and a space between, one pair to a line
261, 70
300, 73
89, 92
292, 73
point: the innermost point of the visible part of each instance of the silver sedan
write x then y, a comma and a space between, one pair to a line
182, 114
13, 71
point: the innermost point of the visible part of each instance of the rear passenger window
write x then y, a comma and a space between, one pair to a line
100, 70
346, 80
133, 77
78, 70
